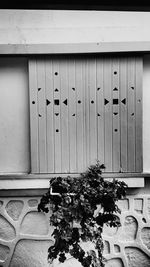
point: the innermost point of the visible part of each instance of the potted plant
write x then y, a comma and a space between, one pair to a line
79, 209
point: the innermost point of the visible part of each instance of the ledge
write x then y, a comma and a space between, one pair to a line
41, 181
62, 48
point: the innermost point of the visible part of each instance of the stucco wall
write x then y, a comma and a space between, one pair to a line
54, 26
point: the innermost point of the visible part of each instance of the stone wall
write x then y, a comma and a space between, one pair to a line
25, 234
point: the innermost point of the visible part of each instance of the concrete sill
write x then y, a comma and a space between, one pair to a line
41, 181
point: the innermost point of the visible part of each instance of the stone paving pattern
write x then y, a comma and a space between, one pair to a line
25, 234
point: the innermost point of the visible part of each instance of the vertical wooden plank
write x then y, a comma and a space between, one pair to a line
100, 110
93, 113
87, 113
33, 117
49, 115
108, 114
57, 110
42, 115
84, 67
131, 115
72, 116
116, 115
64, 116
79, 81
138, 107
123, 113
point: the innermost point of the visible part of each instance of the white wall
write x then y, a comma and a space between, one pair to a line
14, 116
51, 26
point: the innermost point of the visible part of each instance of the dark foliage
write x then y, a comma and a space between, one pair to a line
79, 211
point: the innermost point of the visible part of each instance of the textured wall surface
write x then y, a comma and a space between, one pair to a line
25, 234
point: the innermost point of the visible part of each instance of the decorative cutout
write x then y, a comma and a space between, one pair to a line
106, 101
47, 102
124, 101
115, 101
65, 102
115, 89
56, 102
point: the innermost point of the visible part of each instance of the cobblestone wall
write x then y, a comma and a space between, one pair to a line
25, 234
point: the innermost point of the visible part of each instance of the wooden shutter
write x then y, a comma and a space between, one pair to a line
83, 109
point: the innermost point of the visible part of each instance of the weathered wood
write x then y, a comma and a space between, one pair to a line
33, 116
115, 116
123, 114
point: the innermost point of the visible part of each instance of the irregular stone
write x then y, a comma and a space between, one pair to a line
106, 247
129, 229
138, 205
117, 262
71, 262
136, 257
7, 231
31, 253
116, 248
14, 209
4, 251
109, 231
32, 202
34, 223
1, 203
148, 206
123, 204
145, 236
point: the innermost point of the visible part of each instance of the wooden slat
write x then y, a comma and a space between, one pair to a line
49, 115
138, 103
100, 111
57, 123
64, 116
33, 117
131, 115
79, 81
123, 113
108, 114
93, 113
72, 116
116, 115
87, 112
84, 88
42, 116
